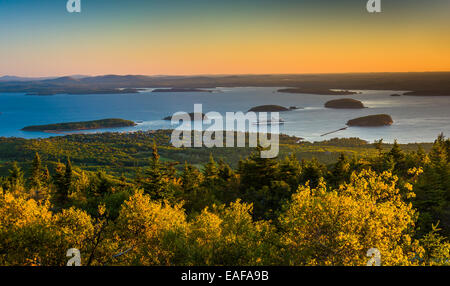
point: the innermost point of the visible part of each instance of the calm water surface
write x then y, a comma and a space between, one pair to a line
416, 118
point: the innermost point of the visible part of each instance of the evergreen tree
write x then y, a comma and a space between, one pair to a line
291, 171
379, 146
191, 179
15, 180
227, 188
258, 176
210, 173
340, 172
396, 152
433, 190
196, 195
46, 176
61, 193
438, 154
226, 173
257, 172
398, 158
102, 185
421, 157
68, 175
36, 173
158, 177
312, 172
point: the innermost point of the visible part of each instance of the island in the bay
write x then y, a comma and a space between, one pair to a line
372, 121
269, 108
192, 115
84, 125
180, 90
344, 103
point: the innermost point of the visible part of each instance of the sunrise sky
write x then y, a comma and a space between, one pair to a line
180, 37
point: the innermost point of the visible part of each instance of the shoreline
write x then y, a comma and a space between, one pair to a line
153, 131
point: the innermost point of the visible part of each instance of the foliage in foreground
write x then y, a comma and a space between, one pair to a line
265, 212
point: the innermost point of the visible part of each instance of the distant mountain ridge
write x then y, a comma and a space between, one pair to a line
424, 84
7, 78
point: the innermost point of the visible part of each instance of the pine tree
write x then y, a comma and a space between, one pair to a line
36, 173
155, 154
340, 172
45, 179
396, 152
102, 184
421, 157
61, 194
157, 177
138, 177
258, 176
258, 172
312, 172
68, 174
433, 189
397, 158
225, 171
438, 154
379, 146
15, 180
195, 194
210, 172
290, 171
190, 178
227, 187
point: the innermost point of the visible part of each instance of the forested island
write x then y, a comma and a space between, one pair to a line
323, 203
192, 115
344, 103
269, 108
180, 90
84, 125
372, 121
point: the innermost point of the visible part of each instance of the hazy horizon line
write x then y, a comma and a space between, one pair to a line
218, 74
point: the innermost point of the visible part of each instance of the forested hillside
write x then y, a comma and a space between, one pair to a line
324, 203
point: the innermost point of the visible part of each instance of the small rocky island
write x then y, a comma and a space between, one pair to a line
372, 121
180, 90
191, 115
269, 108
344, 103
84, 125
